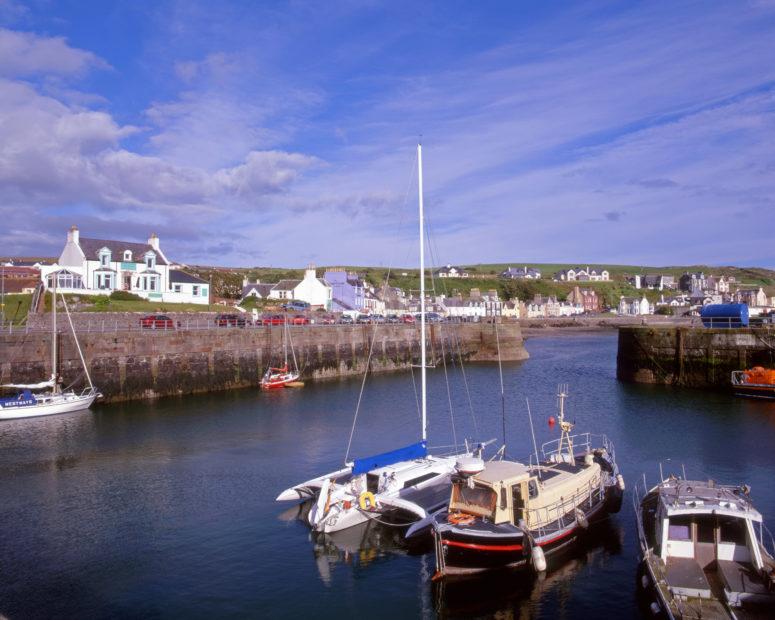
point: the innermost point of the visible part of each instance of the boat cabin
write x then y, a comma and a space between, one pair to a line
510, 492
704, 539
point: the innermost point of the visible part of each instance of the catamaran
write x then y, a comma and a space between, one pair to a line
29, 403
275, 378
407, 481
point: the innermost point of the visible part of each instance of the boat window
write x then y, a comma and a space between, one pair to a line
519, 503
532, 488
705, 530
503, 498
372, 483
419, 479
680, 528
732, 530
479, 500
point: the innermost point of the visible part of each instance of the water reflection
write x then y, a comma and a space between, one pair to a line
511, 594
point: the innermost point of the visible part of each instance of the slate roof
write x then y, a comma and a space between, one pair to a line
92, 247
263, 289
286, 285
181, 277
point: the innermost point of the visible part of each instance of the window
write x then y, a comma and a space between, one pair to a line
532, 488
680, 528
127, 255
176, 288
419, 479
732, 530
150, 260
195, 290
105, 257
152, 282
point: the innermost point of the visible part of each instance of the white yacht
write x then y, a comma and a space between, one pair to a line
407, 480
29, 402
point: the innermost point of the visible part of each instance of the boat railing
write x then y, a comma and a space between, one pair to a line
587, 441
560, 514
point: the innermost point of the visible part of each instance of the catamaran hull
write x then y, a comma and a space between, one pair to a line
66, 405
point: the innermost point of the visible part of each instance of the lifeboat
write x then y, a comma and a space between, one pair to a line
757, 382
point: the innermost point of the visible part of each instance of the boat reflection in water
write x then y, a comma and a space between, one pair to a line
357, 546
506, 594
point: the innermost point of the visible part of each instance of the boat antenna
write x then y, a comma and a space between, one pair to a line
423, 379
565, 427
533, 433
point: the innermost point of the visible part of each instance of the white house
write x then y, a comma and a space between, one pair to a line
635, 306
450, 271
315, 291
188, 288
583, 275
101, 266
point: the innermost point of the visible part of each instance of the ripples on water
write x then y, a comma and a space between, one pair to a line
167, 509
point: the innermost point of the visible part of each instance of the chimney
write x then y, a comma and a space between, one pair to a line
309, 273
245, 281
153, 241
73, 235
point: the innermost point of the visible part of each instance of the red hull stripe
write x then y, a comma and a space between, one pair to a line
455, 543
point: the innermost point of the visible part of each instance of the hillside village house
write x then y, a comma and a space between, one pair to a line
587, 298
450, 271
311, 289
521, 273
255, 289
347, 290
754, 297
657, 282
634, 306
582, 275
101, 266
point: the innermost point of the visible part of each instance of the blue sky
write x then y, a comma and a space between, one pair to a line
276, 133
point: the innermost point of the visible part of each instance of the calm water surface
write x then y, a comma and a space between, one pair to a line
167, 509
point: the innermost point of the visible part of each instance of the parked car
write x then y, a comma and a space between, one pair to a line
392, 318
324, 319
345, 319
157, 321
295, 305
230, 320
298, 319
407, 318
363, 319
273, 319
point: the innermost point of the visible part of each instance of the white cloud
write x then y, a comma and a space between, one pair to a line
28, 54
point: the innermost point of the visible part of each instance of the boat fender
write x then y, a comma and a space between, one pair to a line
460, 518
538, 559
620, 482
654, 607
366, 501
581, 519
589, 459
644, 582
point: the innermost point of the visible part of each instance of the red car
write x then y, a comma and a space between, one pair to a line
274, 319
298, 320
157, 321
408, 318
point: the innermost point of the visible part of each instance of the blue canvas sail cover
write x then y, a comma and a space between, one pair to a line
407, 453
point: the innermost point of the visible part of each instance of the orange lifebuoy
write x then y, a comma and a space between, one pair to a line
460, 518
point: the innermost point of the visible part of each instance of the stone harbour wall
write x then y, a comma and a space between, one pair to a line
127, 365
691, 356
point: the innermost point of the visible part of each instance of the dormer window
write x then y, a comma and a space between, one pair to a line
150, 260
104, 257
127, 255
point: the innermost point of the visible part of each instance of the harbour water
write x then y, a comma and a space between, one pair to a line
166, 509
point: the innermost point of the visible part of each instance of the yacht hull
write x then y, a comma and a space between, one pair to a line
59, 404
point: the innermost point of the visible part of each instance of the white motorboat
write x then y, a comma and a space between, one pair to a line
408, 481
703, 552
28, 402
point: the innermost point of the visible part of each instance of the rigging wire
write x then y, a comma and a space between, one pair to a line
374, 332
500, 373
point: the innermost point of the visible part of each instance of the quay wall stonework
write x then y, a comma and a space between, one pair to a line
691, 356
137, 364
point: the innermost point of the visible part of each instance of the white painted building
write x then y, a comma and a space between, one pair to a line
315, 291
101, 266
634, 306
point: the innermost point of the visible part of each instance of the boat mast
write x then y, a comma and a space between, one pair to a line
422, 296
565, 427
55, 388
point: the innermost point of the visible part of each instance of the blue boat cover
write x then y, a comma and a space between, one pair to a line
407, 453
